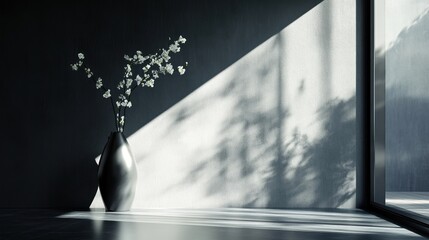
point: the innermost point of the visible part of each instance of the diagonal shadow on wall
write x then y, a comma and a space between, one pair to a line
235, 141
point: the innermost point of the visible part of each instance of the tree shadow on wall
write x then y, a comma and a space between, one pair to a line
326, 166
257, 163
324, 175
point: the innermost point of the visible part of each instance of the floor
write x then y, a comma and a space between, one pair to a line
210, 224
417, 202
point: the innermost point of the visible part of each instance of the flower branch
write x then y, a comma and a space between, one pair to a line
150, 67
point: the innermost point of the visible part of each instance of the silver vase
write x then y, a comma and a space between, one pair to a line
117, 174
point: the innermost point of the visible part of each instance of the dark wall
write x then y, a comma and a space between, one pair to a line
55, 122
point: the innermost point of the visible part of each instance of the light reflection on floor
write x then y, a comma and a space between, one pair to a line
316, 221
417, 202
198, 224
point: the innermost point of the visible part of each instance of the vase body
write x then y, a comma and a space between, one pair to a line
117, 174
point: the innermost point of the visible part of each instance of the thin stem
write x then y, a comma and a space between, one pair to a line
120, 115
112, 103
114, 114
125, 107
93, 78
123, 126
128, 98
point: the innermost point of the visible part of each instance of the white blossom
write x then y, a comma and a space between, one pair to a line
118, 104
127, 58
169, 68
138, 79
122, 97
80, 56
162, 69
150, 83
121, 85
141, 59
74, 67
128, 92
79, 63
164, 55
122, 121
128, 68
157, 61
129, 104
88, 72
153, 58
155, 74
129, 82
128, 72
99, 83
107, 94
175, 47
124, 103
181, 70
139, 52
181, 39
146, 68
